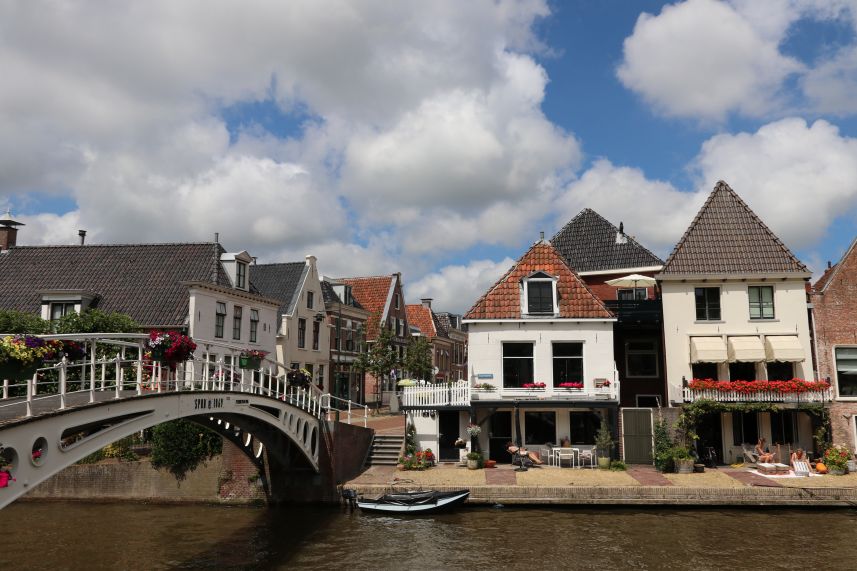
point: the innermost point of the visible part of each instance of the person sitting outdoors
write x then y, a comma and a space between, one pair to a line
799, 455
521, 453
765, 456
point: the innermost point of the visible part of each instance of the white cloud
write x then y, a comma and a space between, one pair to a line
797, 177
702, 58
456, 288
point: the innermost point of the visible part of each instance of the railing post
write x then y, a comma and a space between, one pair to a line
63, 378
30, 382
92, 371
118, 375
160, 376
5, 388
349, 411
140, 368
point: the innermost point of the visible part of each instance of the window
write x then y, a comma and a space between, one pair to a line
60, 309
846, 371
396, 300
783, 427
539, 292
781, 371
540, 427
240, 276
583, 427
315, 331
745, 428
219, 319
742, 371
321, 375
567, 363
704, 371
236, 322
310, 297
301, 333
641, 359
517, 364
632, 294
254, 325
761, 302
707, 303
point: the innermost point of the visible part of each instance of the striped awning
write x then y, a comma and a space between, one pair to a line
707, 350
746, 349
785, 348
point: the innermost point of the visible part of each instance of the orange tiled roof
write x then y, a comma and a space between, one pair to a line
421, 316
371, 292
503, 300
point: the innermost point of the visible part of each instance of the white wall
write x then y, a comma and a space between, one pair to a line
680, 321
485, 348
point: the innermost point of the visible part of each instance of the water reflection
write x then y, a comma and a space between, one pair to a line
132, 536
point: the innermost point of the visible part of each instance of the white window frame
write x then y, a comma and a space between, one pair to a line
836, 371
525, 297
633, 291
773, 303
241, 275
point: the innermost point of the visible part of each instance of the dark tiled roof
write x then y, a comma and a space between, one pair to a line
279, 281
503, 300
371, 292
443, 321
330, 295
726, 237
140, 280
422, 317
588, 242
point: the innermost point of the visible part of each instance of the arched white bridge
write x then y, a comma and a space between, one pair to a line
69, 410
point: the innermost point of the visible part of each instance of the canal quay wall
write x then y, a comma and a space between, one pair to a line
227, 478
643, 496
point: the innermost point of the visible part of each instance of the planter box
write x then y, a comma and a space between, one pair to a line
15, 371
253, 363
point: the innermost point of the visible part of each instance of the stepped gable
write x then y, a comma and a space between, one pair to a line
371, 292
589, 243
281, 282
503, 300
422, 317
145, 281
726, 237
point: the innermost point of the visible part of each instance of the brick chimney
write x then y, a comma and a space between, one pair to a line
8, 231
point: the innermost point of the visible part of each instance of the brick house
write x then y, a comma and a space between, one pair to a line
443, 347
451, 325
598, 252
347, 321
383, 297
834, 313
734, 304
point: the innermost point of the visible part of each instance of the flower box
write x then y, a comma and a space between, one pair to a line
252, 363
17, 371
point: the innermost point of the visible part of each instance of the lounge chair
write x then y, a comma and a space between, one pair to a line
801, 468
750, 457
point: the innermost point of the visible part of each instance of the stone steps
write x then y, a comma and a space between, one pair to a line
385, 450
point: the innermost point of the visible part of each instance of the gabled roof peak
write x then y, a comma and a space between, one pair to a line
727, 237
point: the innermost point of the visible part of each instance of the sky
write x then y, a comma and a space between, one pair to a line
434, 138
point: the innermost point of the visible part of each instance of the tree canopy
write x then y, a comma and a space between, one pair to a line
418, 359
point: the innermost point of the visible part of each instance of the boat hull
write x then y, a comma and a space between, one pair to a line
414, 502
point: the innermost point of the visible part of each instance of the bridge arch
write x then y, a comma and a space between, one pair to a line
64, 437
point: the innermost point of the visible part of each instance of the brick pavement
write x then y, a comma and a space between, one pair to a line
751, 479
648, 476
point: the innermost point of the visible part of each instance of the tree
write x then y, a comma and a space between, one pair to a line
97, 321
20, 322
418, 360
381, 357
180, 446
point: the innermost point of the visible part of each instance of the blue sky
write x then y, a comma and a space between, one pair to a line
432, 138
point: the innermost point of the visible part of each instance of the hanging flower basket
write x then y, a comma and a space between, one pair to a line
251, 359
17, 371
170, 347
21, 356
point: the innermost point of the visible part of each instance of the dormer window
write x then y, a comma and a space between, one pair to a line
540, 294
241, 275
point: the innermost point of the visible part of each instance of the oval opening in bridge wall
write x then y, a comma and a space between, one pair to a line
40, 450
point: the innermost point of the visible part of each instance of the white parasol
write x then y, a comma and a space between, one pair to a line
633, 280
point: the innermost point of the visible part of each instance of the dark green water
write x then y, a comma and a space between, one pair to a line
132, 536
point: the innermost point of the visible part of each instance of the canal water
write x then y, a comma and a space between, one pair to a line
132, 536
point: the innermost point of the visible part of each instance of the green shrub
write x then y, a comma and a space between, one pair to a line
618, 466
181, 446
663, 446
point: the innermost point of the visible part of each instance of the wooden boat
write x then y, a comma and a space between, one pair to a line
423, 501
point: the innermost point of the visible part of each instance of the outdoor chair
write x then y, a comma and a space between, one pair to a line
750, 457
801, 468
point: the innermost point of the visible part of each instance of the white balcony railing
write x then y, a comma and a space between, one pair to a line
691, 395
461, 394
431, 396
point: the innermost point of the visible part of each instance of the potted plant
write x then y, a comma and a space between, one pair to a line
604, 444
170, 347
21, 356
251, 359
299, 377
473, 460
836, 459
460, 443
682, 459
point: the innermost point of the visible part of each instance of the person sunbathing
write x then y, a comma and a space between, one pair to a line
523, 452
799, 455
765, 456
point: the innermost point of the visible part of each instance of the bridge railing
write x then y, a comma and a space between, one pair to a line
115, 362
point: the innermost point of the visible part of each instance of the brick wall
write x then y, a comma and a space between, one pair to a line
113, 480
607, 292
